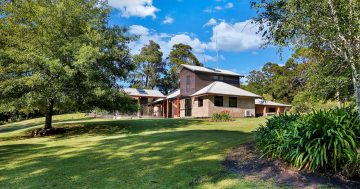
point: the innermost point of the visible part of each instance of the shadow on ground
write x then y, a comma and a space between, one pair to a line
247, 161
24, 125
169, 159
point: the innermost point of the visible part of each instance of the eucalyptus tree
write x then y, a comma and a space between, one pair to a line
150, 65
61, 54
329, 25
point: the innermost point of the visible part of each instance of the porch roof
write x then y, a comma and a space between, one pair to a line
143, 93
222, 88
174, 94
269, 103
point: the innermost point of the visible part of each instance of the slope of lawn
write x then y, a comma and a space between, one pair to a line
139, 153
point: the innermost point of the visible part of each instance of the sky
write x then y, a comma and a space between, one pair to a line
205, 25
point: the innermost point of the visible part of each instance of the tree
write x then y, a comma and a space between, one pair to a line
329, 25
180, 54
60, 54
149, 66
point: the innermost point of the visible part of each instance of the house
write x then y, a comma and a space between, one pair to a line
266, 108
144, 98
204, 91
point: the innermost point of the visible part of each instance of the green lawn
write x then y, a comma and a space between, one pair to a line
145, 153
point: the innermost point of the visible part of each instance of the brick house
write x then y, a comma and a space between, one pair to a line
205, 91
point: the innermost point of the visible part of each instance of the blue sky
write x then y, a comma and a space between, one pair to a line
198, 23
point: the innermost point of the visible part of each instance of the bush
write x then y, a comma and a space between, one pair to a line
221, 116
321, 140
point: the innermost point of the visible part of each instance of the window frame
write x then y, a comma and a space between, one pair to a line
233, 98
222, 101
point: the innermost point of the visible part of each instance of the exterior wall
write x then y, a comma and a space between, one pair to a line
202, 111
209, 108
199, 80
203, 79
182, 108
184, 89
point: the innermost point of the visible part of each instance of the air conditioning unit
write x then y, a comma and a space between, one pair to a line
248, 113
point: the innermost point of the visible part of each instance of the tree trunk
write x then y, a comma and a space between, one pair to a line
49, 113
356, 82
146, 80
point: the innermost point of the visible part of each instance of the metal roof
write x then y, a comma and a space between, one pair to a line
208, 70
174, 94
222, 88
143, 93
269, 103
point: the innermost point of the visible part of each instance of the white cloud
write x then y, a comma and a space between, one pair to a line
211, 22
140, 8
218, 8
168, 20
229, 5
138, 30
166, 41
235, 37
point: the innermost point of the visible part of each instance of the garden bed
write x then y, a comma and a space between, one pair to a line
246, 160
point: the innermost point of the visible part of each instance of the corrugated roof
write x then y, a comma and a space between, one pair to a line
208, 70
143, 92
222, 88
269, 103
174, 94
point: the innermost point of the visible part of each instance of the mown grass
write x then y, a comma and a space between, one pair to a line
143, 153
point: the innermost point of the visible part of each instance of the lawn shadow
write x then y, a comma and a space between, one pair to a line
22, 125
170, 159
112, 127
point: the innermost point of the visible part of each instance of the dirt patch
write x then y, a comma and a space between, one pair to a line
47, 132
245, 160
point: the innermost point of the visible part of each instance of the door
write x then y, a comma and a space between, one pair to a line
188, 107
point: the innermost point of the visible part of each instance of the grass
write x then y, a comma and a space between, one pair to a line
143, 153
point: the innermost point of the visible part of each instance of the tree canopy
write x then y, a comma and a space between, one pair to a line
60, 54
150, 66
328, 26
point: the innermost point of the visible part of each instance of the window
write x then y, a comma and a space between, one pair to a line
218, 78
218, 101
272, 110
232, 101
200, 101
187, 83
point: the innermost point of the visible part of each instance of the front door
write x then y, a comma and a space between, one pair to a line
188, 107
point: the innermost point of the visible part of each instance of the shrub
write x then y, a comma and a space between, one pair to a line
221, 116
321, 140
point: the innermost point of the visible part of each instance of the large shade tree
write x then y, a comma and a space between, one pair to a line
329, 25
61, 54
179, 54
150, 66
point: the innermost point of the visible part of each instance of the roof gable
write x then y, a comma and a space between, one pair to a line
222, 88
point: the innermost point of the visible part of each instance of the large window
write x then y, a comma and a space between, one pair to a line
232, 101
218, 101
200, 101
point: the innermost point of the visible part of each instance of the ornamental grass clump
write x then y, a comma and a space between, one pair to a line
321, 140
222, 116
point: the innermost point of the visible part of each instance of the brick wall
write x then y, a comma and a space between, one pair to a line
243, 104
